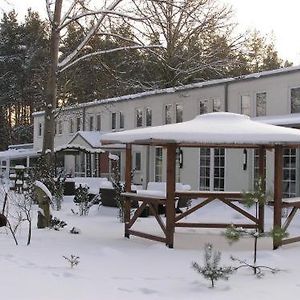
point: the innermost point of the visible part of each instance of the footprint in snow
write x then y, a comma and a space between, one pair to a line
147, 291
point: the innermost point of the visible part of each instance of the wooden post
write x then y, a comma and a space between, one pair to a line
262, 176
127, 203
278, 164
170, 202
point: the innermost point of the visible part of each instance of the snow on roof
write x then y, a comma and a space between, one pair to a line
17, 153
77, 147
182, 88
213, 128
91, 137
285, 120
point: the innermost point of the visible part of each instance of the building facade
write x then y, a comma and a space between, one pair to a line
267, 96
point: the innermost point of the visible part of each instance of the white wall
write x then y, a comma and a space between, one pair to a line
278, 102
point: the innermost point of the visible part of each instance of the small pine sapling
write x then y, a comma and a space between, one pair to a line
233, 234
211, 269
73, 260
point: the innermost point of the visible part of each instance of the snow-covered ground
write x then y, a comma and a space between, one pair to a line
113, 267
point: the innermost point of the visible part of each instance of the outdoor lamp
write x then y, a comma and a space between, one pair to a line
179, 153
245, 158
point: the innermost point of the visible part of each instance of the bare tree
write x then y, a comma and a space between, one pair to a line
94, 20
197, 35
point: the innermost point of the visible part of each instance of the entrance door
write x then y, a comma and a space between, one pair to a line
212, 169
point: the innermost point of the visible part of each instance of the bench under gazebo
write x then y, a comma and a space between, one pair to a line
214, 130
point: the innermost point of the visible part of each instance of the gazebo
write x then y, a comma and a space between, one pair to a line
213, 130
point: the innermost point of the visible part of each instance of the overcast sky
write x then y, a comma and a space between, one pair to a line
281, 17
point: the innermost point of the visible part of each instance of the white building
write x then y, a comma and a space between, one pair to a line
272, 96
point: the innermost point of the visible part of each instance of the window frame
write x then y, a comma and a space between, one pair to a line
177, 114
256, 104
243, 107
148, 112
91, 123
168, 113
138, 118
291, 100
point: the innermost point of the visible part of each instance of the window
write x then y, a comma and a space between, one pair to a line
261, 104
289, 173
91, 123
204, 169
203, 107
148, 116
98, 122
168, 113
158, 164
78, 124
71, 125
113, 121
219, 169
138, 161
40, 129
121, 120
60, 127
212, 169
179, 113
217, 105
246, 105
295, 100
138, 117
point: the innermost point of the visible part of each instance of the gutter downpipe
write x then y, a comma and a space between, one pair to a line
226, 96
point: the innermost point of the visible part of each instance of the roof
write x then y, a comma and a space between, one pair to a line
18, 153
92, 138
87, 141
217, 129
203, 84
283, 120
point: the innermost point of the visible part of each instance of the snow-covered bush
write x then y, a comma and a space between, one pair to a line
45, 172
57, 224
82, 200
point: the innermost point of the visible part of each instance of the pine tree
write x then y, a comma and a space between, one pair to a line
233, 234
211, 269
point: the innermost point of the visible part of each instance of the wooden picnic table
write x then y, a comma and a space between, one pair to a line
207, 197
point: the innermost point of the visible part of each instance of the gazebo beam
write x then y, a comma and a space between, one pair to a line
170, 202
262, 176
127, 203
278, 165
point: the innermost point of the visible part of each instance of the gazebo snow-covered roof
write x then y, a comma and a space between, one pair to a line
227, 129
222, 129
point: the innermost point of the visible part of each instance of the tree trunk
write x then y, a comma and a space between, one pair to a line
49, 129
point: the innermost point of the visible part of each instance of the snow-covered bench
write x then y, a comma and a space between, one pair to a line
159, 189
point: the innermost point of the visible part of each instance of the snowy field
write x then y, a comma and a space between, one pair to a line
113, 267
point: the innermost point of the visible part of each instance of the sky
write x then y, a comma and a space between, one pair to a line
267, 16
